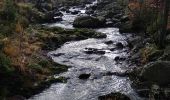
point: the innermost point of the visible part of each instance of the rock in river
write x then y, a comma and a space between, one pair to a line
87, 22
94, 51
114, 96
109, 42
84, 76
119, 45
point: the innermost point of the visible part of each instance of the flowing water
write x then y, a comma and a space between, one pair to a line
73, 54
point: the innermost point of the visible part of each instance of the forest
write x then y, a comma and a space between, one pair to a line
84, 49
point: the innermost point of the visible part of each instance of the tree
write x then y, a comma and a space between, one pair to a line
166, 6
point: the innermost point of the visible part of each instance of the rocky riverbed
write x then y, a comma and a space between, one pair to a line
98, 66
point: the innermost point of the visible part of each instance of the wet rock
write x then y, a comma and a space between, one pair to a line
58, 14
68, 11
130, 45
100, 36
114, 96
87, 22
100, 52
75, 12
90, 50
112, 49
58, 18
110, 24
117, 59
109, 42
119, 45
157, 72
84, 76
57, 55
93, 51
115, 74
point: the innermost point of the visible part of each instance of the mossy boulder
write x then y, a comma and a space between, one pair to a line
87, 22
157, 72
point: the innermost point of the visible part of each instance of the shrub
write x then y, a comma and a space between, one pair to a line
5, 64
9, 11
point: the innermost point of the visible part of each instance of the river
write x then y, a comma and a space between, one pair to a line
97, 65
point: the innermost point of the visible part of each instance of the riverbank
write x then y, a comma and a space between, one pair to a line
106, 61
25, 67
91, 64
40, 69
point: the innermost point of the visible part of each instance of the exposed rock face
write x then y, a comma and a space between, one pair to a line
114, 96
87, 22
157, 72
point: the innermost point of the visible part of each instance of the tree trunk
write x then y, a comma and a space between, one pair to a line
164, 23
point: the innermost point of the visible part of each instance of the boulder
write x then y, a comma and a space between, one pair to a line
109, 42
87, 22
58, 14
84, 76
114, 96
119, 45
75, 12
157, 72
67, 11
118, 58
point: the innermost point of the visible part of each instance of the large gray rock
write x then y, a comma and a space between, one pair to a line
157, 72
87, 22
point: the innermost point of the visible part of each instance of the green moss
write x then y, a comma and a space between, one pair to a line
36, 67
43, 63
